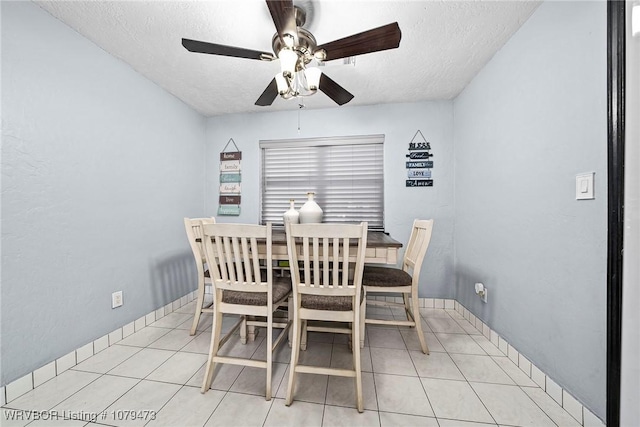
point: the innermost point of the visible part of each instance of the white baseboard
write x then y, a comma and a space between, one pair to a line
28, 382
570, 404
33, 379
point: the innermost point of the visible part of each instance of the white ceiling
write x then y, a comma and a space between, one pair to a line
444, 45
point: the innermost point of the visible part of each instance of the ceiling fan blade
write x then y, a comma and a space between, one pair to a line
224, 50
284, 17
381, 38
269, 95
334, 91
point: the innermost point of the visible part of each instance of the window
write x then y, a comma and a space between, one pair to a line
346, 174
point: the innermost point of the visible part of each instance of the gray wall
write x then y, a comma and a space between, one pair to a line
630, 387
99, 166
399, 123
532, 119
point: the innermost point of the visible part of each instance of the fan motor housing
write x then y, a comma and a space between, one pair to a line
305, 47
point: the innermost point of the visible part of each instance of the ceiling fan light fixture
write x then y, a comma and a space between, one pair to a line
283, 85
296, 48
289, 40
312, 74
288, 61
320, 54
304, 82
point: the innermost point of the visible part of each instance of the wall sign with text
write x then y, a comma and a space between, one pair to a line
230, 179
419, 163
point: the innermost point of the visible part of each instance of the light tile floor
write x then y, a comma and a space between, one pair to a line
157, 371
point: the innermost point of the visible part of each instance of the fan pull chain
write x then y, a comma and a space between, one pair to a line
301, 106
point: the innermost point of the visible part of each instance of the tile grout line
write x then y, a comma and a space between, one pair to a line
30, 381
556, 389
64, 363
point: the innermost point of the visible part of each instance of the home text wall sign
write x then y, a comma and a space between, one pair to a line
419, 162
230, 179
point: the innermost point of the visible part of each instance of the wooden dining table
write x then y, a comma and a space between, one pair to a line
381, 247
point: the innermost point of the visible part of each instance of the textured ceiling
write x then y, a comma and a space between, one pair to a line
444, 45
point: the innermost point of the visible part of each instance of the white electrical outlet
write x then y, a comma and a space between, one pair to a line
116, 299
481, 291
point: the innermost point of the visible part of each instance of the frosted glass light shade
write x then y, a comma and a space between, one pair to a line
312, 75
288, 60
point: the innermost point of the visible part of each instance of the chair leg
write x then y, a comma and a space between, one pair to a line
251, 330
199, 305
407, 307
243, 330
290, 319
303, 339
418, 321
213, 351
363, 312
355, 331
269, 354
295, 353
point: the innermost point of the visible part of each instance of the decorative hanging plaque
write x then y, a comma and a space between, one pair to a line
230, 178
419, 162
230, 166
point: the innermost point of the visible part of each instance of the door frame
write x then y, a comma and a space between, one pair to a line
616, 33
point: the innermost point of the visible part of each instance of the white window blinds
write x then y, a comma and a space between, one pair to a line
346, 174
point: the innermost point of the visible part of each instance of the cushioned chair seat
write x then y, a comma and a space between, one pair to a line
380, 276
322, 302
281, 287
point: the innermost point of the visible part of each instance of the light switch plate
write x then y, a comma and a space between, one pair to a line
584, 186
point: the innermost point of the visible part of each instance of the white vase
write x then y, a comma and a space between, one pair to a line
310, 212
292, 214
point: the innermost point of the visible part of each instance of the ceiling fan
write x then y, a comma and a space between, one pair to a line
297, 50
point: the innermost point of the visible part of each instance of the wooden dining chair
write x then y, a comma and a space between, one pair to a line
402, 280
193, 226
245, 286
326, 263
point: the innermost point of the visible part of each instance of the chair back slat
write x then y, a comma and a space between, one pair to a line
321, 256
345, 262
235, 249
